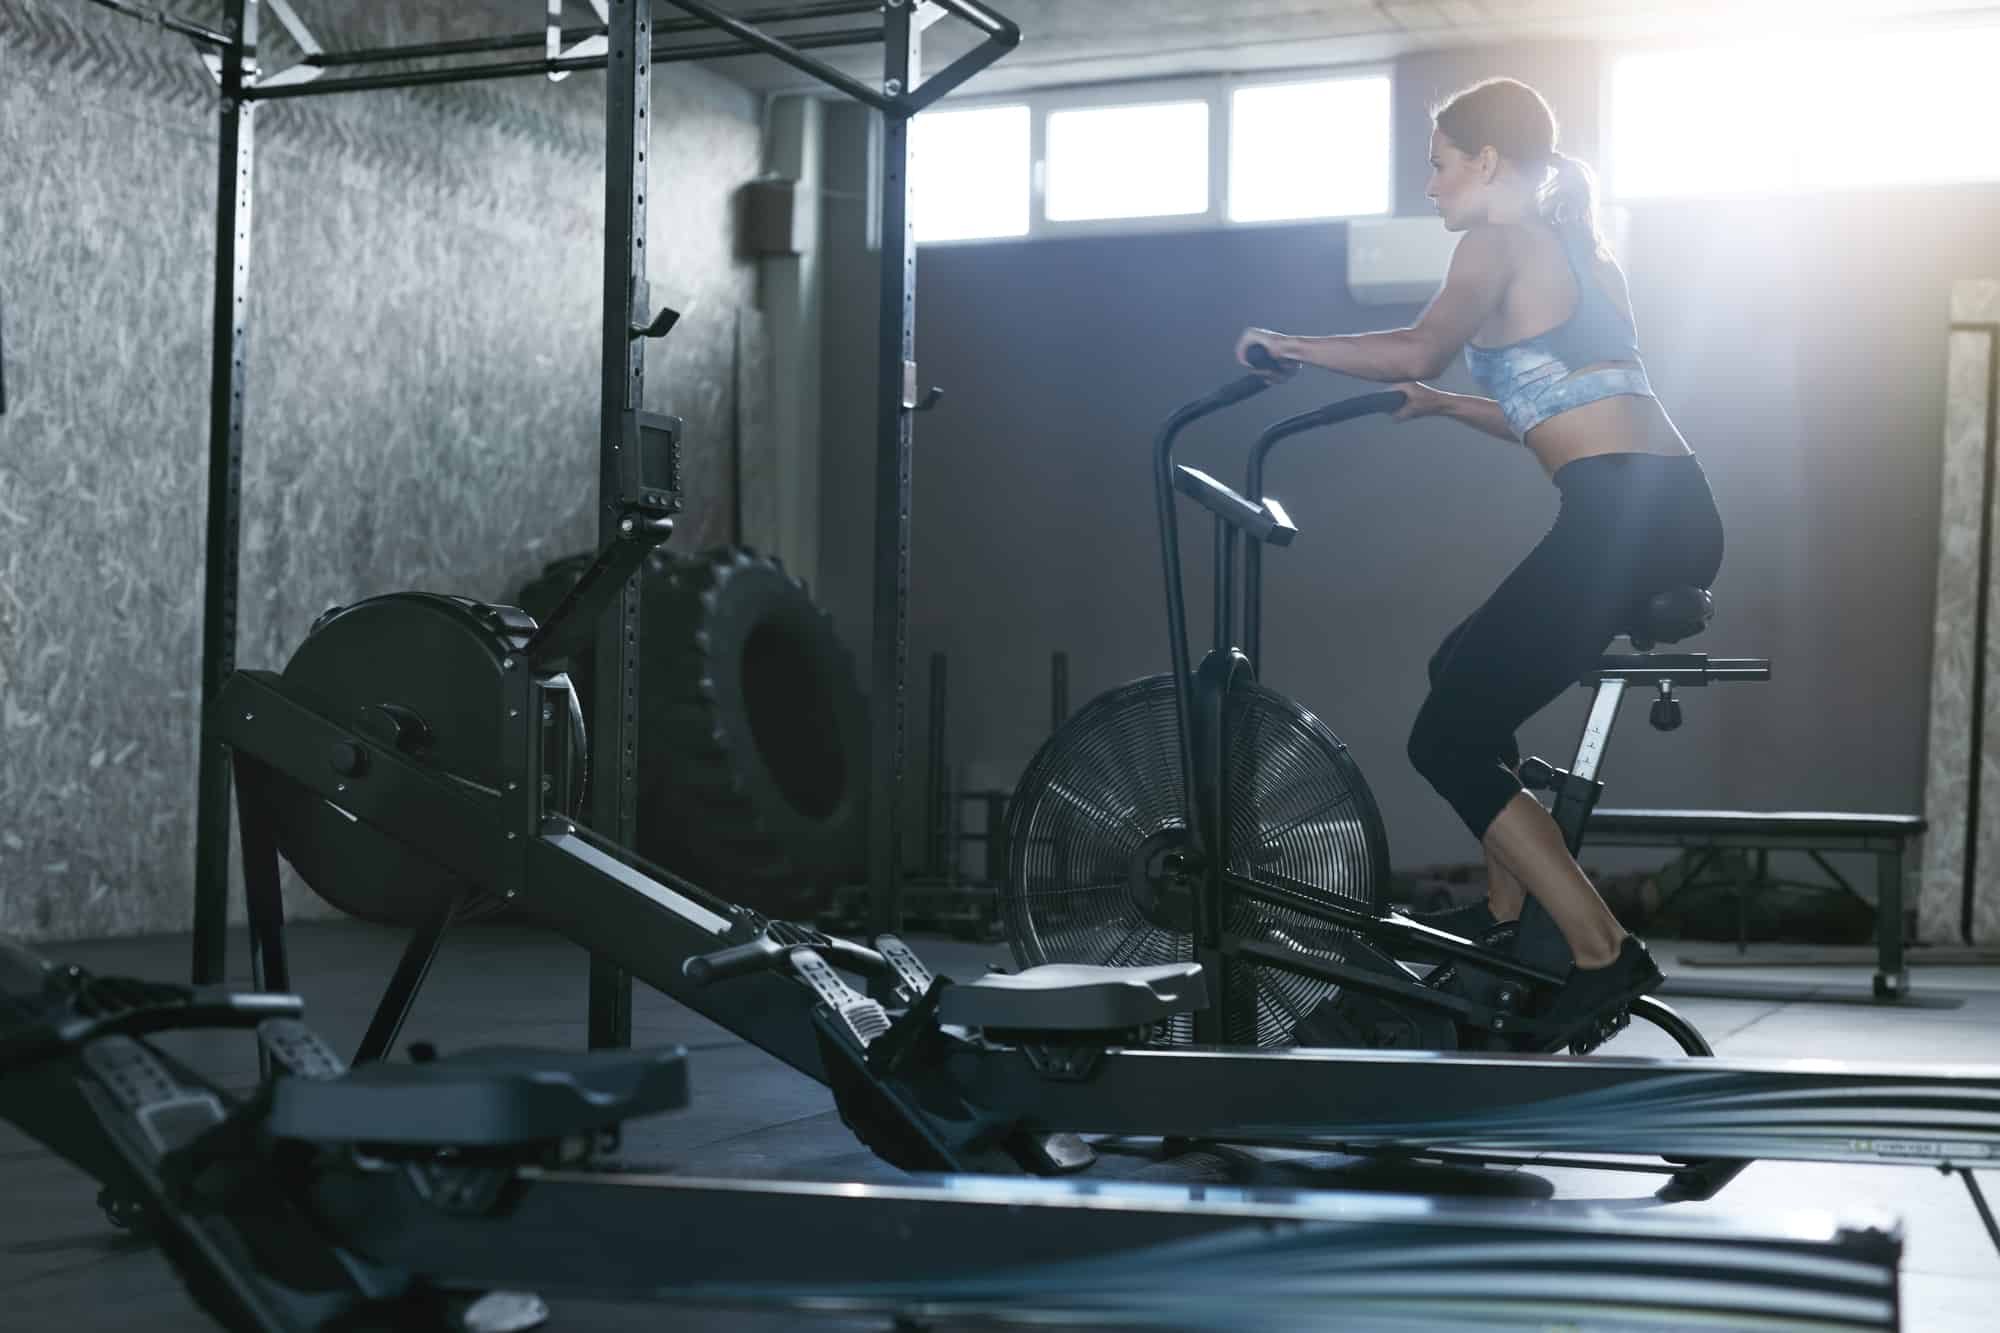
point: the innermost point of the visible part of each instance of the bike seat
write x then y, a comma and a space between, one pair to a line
1670, 616
1073, 997
496, 1096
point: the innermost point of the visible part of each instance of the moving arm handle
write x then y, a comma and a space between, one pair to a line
1330, 414
1247, 386
1346, 409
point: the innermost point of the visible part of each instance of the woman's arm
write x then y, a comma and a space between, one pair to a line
1471, 293
1482, 414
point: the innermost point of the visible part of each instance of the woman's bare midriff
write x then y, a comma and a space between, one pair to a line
1624, 424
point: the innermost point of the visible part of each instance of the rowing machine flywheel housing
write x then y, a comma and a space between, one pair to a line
421, 673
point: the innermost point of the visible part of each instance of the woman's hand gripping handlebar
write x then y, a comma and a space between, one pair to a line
1269, 368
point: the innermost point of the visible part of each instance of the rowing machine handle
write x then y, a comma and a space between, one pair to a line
758, 955
764, 954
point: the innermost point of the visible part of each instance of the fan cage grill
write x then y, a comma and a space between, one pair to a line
1103, 798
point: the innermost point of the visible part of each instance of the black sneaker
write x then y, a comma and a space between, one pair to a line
1595, 1004
1467, 922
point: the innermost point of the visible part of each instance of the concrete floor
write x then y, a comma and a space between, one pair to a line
61, 1266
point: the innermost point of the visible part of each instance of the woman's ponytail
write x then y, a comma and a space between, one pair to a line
1569, 199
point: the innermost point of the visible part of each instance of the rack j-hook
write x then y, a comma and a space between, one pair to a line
662, 323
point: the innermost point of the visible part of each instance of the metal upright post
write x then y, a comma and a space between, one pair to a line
895, 399
235, 154
935, 848
615, 725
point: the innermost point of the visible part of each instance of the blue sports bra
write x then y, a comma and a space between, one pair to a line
1533, 380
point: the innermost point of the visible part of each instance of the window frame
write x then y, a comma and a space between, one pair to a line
1217, 90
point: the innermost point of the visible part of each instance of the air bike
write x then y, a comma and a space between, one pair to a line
424, 1196
1201, 815
432, 746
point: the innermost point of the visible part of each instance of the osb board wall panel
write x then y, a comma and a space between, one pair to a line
1959, 660
422, 405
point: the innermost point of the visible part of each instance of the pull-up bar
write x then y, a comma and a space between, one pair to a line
663, 53
532, 41
892, 98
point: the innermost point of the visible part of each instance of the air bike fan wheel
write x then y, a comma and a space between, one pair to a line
1098, 814
422, 673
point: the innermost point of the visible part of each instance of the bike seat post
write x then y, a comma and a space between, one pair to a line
1578, 793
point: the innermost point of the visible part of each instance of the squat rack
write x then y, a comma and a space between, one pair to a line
626, 42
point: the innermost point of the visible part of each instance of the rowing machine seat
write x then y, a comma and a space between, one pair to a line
1073, 997
496, 1096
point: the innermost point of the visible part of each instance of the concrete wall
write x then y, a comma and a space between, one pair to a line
1798, 342
422, 388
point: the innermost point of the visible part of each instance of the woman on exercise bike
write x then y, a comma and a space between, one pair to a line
1539, 306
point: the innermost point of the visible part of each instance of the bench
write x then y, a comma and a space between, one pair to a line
1814, 831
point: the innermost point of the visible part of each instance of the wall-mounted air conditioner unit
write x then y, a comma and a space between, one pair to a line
1397, 261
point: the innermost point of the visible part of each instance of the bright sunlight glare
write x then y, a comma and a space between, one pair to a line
1885, 109
1127, 161
1309, 150
969, 173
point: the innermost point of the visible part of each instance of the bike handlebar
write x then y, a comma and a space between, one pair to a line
1260, 359
1328, 414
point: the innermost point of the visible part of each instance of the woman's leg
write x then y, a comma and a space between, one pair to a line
1532, 640
1524, 840
1504, 895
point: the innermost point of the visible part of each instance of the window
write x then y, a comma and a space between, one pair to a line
1309, 150
969, 173
1127, 162
1164, 154
1890, 108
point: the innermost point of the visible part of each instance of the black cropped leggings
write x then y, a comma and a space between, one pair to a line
1630, 525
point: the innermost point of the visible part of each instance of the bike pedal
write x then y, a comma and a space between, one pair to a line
1600, 1032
